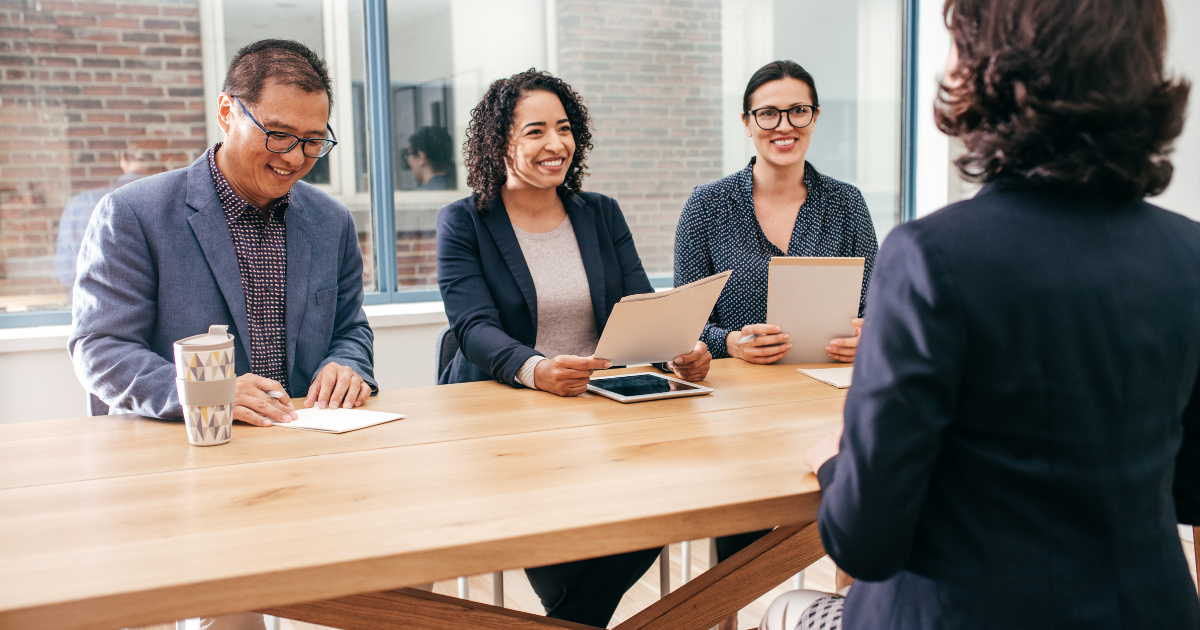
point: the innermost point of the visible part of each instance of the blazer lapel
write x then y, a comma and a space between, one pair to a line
299, 260
583, 221
212, 232
500, 226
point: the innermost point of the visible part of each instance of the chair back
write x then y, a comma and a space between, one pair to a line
444, 350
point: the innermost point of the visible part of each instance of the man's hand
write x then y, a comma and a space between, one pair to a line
255, 405
823, 451
692, 366
567, 375
337, 386
768, 347
844, 349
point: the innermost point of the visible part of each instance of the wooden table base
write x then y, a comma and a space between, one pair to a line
698, 605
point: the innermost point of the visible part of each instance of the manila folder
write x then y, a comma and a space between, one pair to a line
813, 301
654, 327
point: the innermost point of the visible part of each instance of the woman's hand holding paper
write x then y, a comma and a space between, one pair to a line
767, 346
567, 375
692, 366
844, 349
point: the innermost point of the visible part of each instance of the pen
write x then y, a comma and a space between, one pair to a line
275, 394
745, 339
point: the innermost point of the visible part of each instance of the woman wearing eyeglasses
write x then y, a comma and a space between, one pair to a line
779, 205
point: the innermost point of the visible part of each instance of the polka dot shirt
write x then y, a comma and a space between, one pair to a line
718, 231
261, 246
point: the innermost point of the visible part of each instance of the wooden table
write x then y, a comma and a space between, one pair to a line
116, 521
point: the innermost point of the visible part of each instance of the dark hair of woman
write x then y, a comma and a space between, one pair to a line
775, 71
492, 121
1071, 92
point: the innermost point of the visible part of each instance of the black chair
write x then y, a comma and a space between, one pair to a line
444, 350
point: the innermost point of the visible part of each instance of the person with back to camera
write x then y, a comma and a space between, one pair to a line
1023, 432
430, 156
530, 267
779, 205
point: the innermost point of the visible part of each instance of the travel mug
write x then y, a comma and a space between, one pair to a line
205, 379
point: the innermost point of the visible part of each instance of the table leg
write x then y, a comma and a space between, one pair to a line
734, 583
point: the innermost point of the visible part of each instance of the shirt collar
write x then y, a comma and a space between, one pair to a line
232, 202
745, 179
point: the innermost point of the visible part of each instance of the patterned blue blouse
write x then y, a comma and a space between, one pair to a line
718, 231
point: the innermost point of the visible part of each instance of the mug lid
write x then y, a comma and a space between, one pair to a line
216, 338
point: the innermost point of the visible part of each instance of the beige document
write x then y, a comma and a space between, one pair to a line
653, 327
813, 301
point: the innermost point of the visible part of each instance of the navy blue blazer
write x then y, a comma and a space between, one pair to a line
489, 293
157, 264
1023, 433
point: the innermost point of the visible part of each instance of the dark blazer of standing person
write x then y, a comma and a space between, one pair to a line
1023, 433
530, 267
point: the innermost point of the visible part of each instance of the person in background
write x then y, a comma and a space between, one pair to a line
236, 239
1023, 433
530, 267
779, 205
430, 156
78, 212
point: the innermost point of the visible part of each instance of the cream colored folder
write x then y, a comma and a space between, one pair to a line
654, 327
813, 301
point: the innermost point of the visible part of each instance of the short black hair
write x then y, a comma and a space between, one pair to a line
1070, 92
436, 144
774, 71
492, 121
281, 60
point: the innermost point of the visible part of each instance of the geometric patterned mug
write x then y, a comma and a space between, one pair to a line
205, 379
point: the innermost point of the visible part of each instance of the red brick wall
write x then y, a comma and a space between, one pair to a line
83, 81
650, 71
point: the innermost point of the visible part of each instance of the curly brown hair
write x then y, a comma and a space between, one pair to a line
492, 121
1066, 91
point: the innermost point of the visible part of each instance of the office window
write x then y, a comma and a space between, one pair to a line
95, 94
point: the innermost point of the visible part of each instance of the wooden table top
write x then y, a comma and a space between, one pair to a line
117, 521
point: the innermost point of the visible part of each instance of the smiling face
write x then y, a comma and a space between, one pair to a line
256, 174
784, 145
540, 144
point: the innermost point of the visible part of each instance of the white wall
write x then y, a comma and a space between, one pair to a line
1183, 58
938, 182
37, 381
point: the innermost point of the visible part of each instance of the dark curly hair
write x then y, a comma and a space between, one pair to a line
1063, 91
492, 121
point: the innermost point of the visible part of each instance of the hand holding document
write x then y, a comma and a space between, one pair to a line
338, 420
813, 300
654, 327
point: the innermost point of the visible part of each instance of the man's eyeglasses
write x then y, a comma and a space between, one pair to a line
768, 118
282, 142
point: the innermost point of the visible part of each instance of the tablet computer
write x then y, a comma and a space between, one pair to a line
629, 388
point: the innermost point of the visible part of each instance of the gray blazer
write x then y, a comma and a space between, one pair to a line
157, 264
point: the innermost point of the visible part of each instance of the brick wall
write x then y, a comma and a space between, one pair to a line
82, 82
650, 71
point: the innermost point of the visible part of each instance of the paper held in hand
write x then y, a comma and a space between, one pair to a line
654, 327
337, 420
813, 301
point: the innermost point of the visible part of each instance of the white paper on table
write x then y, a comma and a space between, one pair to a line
337, 420
837, 377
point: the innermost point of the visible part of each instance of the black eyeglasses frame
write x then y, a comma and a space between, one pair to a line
788, 112
330, 142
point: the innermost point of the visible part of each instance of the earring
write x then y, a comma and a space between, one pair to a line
748, 134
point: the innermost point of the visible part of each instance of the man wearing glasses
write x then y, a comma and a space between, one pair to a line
233, 239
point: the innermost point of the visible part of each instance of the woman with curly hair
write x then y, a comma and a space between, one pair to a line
1023, 433
530, 267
